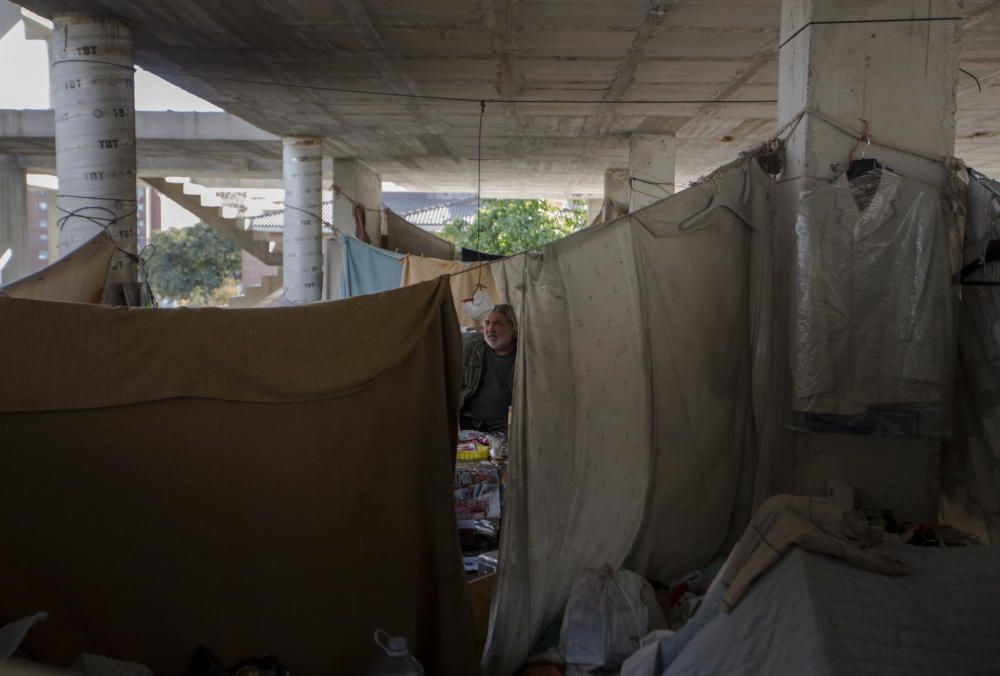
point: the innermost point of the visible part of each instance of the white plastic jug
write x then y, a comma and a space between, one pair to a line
397, 660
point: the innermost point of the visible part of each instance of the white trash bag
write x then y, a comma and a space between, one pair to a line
605, 619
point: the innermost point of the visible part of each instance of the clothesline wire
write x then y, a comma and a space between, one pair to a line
648, 194
318, 217
863, 135
978, 83
479, 187
658, 184
784, 131
853, 21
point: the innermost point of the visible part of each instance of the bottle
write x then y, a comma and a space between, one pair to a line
397, 660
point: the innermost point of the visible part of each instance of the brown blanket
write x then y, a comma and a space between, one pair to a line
255, 481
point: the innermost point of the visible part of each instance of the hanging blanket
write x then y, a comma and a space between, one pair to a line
224, 478
367, 269
633, 433
464, 280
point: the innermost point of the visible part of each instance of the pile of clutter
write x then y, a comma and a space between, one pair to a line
479, 488
620, 622
613, 615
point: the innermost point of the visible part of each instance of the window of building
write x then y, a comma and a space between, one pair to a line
43, 206
43, 255
44, 237
43, 224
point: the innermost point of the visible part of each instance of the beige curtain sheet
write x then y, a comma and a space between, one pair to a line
405, 237
634, 437
77, 277
224, 478
465, 279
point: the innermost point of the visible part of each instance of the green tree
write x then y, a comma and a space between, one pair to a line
511, 226
193, 265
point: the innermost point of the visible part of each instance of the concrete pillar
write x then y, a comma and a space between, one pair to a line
13, 218
356, 182
617, 193
651, 168
94, 105
302, 245
594, 209
901, 78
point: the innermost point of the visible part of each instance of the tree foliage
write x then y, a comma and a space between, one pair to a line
192, 265
511, 226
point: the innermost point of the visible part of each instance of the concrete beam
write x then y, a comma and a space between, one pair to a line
357, 183
211, 170
167, 125
624, 75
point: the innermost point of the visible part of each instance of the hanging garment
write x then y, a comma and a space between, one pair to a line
77, 277
368, 269
633, 436
970, 466
872, 304
238, 492
333, 268
509, 277
407, 238
463, 286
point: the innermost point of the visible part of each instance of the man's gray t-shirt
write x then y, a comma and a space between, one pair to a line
492, 398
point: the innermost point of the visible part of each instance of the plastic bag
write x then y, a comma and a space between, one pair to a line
605, 619
477, 307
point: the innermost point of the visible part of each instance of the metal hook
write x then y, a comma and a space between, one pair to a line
868, 142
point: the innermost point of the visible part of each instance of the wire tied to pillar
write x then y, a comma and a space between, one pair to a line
105, 218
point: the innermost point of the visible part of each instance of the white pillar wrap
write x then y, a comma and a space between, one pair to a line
651, 168
302, 245
95, 139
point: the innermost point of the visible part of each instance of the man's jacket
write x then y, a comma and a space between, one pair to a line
473, 357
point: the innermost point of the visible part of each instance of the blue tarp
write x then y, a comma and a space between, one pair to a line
368, 269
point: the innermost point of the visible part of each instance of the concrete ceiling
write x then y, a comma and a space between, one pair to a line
611, 53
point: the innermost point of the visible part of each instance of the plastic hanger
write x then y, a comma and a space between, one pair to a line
862, 166
719, 201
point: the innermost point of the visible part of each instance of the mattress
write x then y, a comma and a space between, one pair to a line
811, 614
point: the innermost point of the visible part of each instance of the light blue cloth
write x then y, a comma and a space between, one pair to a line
368, 269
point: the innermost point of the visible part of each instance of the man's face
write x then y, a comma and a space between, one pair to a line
498, 331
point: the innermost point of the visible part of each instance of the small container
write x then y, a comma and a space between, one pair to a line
397, 660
